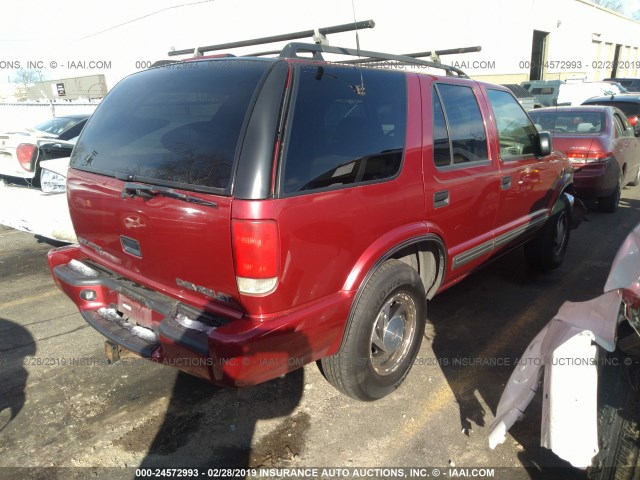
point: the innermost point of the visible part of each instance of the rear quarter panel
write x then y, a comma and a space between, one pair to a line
329, 240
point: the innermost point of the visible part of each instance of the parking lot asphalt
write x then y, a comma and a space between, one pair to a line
62, 405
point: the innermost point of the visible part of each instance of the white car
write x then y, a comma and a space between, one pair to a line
576, 93
21, 150
43, 211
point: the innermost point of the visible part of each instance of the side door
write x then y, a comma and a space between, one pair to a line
527, 180
461, 174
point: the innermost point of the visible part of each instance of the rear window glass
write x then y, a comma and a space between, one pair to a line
177, 124
57, 125
348, 126
575, 123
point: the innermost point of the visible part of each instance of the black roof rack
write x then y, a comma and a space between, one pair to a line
292, 49
317, 34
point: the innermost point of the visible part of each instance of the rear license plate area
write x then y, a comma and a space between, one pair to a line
134, 311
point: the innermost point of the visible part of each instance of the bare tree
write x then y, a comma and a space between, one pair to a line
25, 77
615, 5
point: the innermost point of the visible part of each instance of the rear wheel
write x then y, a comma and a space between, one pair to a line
384, 335
547, 249
609, 204
618, 421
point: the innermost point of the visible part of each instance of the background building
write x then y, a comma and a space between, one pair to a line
89, 87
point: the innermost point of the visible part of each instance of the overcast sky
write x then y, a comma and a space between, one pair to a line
61, 38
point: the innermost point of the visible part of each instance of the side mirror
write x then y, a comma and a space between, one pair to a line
545, 145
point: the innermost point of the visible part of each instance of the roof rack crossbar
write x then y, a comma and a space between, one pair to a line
347, 27
437, 53
291, 50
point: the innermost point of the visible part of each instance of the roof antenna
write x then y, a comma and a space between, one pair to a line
359, 89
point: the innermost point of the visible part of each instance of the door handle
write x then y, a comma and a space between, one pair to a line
441, 199
506, 182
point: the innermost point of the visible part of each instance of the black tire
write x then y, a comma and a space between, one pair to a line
618, 421
547, 249
609, 204
390, 314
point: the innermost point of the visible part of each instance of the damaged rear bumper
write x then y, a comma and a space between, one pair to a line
225, 348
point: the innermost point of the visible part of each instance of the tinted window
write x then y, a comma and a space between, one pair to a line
466, 126
575, 123
630, 109
441, 145
518, 136
347, 126
178, 124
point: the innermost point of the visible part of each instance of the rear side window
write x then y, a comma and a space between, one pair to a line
622, 126
518, 136
467, 136
177, 125
347, 126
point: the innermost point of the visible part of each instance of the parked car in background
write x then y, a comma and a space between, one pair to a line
629, 104
21, 151
631, 84
545, 92
549, 93
601, 145
620, 88
524, 97
574, 93
41, 210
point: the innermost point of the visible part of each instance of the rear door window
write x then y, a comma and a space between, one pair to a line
346, 126
466, 132
177, 125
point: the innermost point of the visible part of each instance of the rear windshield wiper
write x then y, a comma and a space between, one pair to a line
147, 191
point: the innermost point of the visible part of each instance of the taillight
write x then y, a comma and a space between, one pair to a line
580, 156
256, 250
633, 119
25, 152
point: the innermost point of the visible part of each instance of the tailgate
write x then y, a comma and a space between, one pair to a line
151, 177
169, 245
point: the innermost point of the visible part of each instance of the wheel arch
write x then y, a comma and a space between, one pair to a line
564, 186
425, 253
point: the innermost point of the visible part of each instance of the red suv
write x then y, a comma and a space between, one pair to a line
240, 217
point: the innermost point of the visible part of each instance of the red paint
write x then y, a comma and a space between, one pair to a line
320, 245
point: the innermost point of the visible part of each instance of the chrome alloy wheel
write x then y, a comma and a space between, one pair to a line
560, 235
393, 333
